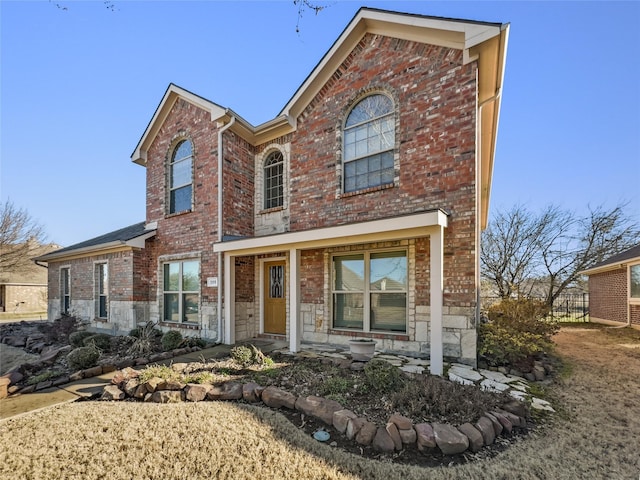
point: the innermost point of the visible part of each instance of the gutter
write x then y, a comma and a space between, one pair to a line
220, 222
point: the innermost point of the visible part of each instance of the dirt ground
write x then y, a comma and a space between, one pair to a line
594, 435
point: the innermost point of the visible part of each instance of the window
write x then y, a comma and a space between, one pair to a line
378, 303
101, 288
180, 188
181, 291
634, 281
65, 291
369, 141
273, 180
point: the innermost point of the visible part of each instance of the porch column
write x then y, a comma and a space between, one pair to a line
437, 286
295, 326
229, 334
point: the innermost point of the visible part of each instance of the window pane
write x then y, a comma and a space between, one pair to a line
635, 281
370, 107
171, 307
171, 277
348, 310
349, 273
190, 276
180, 199
389, 311
183, 150
190, 307
181, 173
388, 271
102, 310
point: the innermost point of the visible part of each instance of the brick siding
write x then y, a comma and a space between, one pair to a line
608, 295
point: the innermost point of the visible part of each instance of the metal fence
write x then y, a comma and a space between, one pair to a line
568, 307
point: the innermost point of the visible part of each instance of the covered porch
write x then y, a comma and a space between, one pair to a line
427, 224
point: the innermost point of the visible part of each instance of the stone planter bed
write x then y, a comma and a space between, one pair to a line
398, 433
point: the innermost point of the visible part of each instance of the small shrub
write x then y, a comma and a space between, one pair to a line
145, 340
100, 340
76, 339
164, 372
199, 377
60, 329
382, 377
516, 333
193, 342
171, 340
335, 386
44, 376
246, 356
83, 357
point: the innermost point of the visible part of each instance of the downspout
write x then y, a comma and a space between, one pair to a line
220, 224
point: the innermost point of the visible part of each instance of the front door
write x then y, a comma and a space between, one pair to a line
275, 309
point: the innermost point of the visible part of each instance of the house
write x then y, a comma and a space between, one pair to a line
355, 212
614, 289
23, 284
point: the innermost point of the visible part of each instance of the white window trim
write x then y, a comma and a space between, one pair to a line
260, 180
366, 320
175, 258
96, 293
169, 174
631, 300
68, 269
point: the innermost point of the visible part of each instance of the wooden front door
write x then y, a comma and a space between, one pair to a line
275, 309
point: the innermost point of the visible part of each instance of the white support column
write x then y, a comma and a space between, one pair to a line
229, 333
295, 325
437, 287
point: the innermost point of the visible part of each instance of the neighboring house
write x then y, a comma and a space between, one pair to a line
356, 212
614, 289
23, 287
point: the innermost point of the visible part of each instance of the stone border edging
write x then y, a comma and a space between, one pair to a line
9, 380
397, 433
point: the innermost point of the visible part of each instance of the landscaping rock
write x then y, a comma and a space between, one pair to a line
476, 441
61, 381
506, 424
515, 420
318, 407
226, 391
250, 392
167, 396
367, 433
353, 427
50, 357
44, 385
171, 385
382, 441
108, 368
403, 423
449, 439
426, 439
341, 419
276, 398
14, 377
392, 430
516, 407
124, 374
497, 426
486, 429
152, 384
4, 387
74, 377
408, 437
130, 387
112, 392
195, 392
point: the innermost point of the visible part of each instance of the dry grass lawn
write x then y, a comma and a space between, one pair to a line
595, 435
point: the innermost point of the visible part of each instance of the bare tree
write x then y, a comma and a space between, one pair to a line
21, 237
521, 250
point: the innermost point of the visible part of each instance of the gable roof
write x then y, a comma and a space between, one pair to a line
482, 41
131, 236
619, 260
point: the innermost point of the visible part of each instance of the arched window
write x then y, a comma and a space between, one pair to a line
273, 180
369, 140
181, 178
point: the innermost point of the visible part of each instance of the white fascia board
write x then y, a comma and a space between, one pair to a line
397, 228
172, 94
137, 242
611, 266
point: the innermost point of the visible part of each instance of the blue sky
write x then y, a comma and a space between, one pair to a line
79, 86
